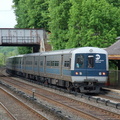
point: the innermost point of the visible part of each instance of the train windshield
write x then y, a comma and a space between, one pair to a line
90, 61
79, 63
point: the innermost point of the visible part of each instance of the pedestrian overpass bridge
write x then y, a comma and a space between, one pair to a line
35, 38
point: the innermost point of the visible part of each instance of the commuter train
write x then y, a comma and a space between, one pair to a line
83, 69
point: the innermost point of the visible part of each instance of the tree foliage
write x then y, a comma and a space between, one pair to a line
72, 23
116, 3
11, 51
58, 26
94, 23
31, 14
24, 50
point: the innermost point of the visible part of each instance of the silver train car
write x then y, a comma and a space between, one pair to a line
83, 69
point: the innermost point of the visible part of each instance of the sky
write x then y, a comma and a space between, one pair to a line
7, 16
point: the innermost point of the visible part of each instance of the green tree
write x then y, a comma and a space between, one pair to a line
72, 23
38, 13
58, 26
96, 23
74, 26
16, 2
114, 2
31, 14
24, 50
2, 59
21, 9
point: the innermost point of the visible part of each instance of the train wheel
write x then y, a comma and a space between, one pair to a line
46, 82
77, 90
70, 87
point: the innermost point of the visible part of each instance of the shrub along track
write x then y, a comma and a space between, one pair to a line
75, 107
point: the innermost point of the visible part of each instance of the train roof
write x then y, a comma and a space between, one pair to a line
76, 50
67, 51
16, 56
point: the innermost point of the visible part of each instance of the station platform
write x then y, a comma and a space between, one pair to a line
117, 90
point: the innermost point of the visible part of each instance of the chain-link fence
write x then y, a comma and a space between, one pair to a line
114, 78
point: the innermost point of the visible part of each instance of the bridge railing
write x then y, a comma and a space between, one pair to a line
17, 36
20, 40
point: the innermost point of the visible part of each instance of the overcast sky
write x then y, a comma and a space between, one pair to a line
7, 16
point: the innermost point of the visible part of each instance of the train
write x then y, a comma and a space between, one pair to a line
83, 69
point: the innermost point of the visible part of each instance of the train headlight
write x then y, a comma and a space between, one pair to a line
100, 73
76, 73
103, 73
80, 73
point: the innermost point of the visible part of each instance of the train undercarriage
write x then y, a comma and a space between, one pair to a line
83, 87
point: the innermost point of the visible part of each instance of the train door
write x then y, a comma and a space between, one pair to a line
90, 61
61, 68
44, 67
23, 65
37, 59
90, 65
34, 65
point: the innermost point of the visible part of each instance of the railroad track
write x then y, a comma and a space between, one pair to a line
77, 108
16, 109
105, 94
5, 113
113, 96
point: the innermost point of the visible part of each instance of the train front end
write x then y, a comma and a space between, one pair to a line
90, 69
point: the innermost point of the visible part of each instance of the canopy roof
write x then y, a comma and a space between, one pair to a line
114, 51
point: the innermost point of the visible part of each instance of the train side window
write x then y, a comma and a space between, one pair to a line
52, 63
66, 63
56, 63
79, 63
23, 62
48, 63
35, 62
90, 61
41, 63
28, 62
